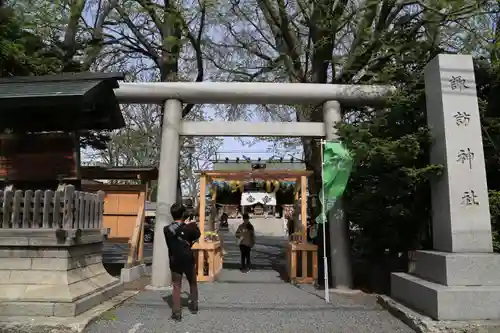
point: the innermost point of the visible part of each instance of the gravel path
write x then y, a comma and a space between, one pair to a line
258, 301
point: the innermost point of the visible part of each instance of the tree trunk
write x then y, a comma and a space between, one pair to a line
495, 54
312, 158
179, 187
169, 61
312, 154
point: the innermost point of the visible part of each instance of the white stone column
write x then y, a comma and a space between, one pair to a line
461, 279
340, 261
167, 188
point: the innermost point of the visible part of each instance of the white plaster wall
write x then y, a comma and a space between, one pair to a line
272, 227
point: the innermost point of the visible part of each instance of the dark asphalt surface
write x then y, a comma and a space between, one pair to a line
258, 301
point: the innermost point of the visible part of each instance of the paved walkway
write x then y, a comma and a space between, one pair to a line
258, 301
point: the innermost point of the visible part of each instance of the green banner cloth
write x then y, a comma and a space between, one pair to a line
337, 165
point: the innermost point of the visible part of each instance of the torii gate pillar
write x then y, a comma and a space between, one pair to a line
167, 192
340, 254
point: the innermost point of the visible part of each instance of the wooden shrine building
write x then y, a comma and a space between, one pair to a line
244, 178
45, 119
232, 193
124, 202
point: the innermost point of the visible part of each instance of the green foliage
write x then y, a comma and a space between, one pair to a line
21, 52
388, 196
488, 84
495, 218
387, 200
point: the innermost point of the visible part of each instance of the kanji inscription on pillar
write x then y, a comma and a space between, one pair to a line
465, 156
469, 198
462, 118
458, 82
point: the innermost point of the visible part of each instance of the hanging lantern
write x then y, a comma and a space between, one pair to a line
268, 186
241, 186
276, 186
233, 185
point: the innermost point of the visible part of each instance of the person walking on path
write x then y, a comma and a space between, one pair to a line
246, 240
180, 236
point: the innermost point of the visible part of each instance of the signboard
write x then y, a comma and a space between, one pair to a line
38, 157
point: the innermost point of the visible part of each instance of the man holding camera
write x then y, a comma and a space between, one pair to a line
180, 237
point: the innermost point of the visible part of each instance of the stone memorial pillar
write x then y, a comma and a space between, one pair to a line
167, 192
460, 280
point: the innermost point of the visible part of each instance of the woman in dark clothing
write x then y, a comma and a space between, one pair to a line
246, 240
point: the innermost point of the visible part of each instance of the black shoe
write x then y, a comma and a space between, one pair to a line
176, 316
193, 307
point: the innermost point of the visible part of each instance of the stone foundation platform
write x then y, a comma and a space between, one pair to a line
47, 272
451, 286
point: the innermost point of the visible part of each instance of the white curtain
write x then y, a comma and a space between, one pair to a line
251, 198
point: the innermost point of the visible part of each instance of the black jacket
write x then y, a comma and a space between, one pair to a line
180, 238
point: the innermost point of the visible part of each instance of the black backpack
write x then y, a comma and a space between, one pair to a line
177, 245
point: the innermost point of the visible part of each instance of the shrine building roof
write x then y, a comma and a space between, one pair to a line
62, 102
260, 174
243, 165
121, 172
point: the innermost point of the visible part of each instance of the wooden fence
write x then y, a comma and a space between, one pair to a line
302, 262
209, 259
64, 208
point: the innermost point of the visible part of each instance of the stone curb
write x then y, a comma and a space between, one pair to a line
21, 324
424, 324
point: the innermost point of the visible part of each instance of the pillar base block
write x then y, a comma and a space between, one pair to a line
458, 269
442, 302
54, 279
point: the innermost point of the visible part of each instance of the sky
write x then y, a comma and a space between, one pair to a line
232, 147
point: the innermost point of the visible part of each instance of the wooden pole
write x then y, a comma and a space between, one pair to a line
134, 243
213, 209
140, 253
203, 194
303, 206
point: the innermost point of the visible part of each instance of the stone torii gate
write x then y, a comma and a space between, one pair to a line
174, 94
460, 280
